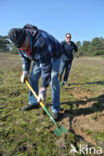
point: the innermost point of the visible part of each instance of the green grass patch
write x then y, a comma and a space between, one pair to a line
29, 133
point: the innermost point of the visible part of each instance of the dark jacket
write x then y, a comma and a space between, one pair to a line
68, 50
44, 49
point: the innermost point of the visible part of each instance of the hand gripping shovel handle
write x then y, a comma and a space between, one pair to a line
41, 103
59, 130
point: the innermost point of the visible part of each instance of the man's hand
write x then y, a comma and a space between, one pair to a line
42, 94
24, 76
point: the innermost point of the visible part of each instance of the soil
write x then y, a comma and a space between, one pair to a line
80, 123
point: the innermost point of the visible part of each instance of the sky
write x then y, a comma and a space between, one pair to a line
84, 19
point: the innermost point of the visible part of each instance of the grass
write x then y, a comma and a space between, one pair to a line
29, 133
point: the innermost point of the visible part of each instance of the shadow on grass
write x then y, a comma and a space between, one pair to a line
97, 106
96, 82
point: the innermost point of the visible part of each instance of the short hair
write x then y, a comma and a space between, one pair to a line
68, 34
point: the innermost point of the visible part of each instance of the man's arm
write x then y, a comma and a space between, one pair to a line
75, 47
46, 67
25, 62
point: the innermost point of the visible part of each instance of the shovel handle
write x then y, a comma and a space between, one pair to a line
41, 103
58, 131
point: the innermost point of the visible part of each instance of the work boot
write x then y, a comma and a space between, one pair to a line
56, 116
29, 107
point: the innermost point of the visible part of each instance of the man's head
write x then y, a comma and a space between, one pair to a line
17, 36
68, 37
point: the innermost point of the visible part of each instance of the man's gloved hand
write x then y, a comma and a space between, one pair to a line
24, 76
42, 94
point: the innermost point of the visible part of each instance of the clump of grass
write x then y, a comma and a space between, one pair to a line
98, 136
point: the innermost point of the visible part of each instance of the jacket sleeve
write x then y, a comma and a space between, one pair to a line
75, 47
25, 62
45, 55
62, 45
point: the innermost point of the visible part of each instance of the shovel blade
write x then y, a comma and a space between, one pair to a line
60, 130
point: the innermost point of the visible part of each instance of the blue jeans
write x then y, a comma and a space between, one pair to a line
34, 78
65, 65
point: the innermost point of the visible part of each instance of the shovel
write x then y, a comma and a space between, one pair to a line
59, 129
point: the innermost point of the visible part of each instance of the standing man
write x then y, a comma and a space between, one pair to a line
66, 60
42, 48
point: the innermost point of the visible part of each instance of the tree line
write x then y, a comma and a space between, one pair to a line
93, 48
86, 48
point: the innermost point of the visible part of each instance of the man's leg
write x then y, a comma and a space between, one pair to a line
33, 80
67, 71
55, 86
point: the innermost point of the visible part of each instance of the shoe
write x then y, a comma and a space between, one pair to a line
65, 83
56, 116
29, 107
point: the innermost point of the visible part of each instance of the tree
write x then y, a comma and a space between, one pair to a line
97, 46
4, 43
78, 43
14, 50
83, 50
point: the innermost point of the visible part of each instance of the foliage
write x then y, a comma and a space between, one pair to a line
93, 48
97, 46
78, 43
7, 46
87, 48
14, 50
4, 43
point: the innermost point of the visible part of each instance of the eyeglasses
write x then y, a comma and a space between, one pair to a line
68, 37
